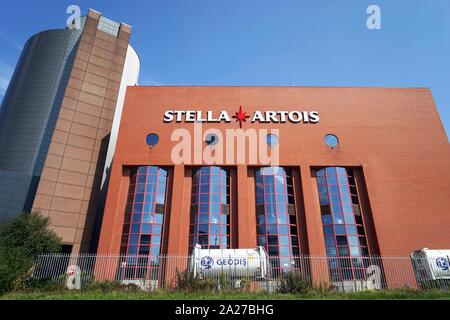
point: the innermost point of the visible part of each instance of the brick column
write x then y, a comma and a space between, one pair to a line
316, 243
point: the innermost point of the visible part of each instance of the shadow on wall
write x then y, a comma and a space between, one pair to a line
91, 229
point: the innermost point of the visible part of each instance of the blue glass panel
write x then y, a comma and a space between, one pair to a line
149, 197
203, 228
215, 207
283, 229
139, 197
335, 199
269, 198
214, 218
158, 218
224, 241
156, 239
259, 199
215, 170
223, 218
160, 198
349, 218
282, 201
204, 218
328, 230
141, 178
354, 251
261, 241
340, 229
132, 250
329, 241
284, 251
326, 219
324, 199
331, 251
352, 240
149, 207
280, 187
261, 229
147, 218
272, 229
351, 229
151, 188
271, 218
347, 206
155, 251
214, 240
215, 197
321, 181
214, 229
259, 188
204, 208
136, 218
135, 228
153, 170
142, 171
140, 187
338, 219
204, 197
345, 195
269, 188
146, 228
284, 240
323, 191
157, 228
336, 209
134, 238
282, 218
330, 170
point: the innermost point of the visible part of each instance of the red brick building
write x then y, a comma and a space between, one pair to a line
383, 188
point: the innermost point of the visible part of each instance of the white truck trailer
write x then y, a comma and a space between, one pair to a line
232, 263
431, 267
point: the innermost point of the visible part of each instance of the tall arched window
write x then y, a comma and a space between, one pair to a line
144, 221
210, 208
343, 224
276, 217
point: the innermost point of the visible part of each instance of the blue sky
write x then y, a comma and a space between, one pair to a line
257, 42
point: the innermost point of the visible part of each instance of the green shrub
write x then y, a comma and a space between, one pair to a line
185, 281
109, 286
293, 282
22, 239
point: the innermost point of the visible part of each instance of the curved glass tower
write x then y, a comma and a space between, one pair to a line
210, 208
276, 221
144, 221
343, 223
59, 122
28, 115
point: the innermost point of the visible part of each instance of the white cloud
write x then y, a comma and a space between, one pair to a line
5, 75
11, 42
146, 81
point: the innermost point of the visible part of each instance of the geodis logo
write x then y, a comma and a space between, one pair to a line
206, 262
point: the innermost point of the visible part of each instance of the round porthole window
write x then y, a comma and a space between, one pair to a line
272, 139
331, 140
211, 139
152, 139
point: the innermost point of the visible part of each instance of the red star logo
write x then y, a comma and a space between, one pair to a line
241, 116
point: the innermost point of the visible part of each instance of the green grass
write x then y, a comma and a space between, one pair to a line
161, 295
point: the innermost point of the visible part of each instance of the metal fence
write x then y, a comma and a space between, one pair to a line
169, 272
